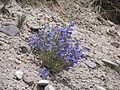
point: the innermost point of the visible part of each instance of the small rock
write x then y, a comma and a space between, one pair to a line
99, 87
110, 62
49, 87
28, 80
118, 62
17, 61
23, 49
19, 74
10, 30
91, 64
43, 82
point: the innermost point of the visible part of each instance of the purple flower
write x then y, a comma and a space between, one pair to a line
57, 42
43, 72
72, 23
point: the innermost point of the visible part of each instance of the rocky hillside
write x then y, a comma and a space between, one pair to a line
99, 70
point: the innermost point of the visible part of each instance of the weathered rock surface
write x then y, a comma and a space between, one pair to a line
10, 30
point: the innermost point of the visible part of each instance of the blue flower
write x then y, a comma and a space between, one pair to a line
72, 23
58, 43
43, 72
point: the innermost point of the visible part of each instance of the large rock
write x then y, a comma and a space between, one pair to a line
10, 30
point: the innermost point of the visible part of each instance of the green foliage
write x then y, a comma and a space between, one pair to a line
21, 20
52, 62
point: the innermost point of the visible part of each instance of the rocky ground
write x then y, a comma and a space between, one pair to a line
99, 70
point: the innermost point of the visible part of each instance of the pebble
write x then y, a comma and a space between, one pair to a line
17, 62
110, 62
49, 87
91, 64
43, 82
23, 49
118, 62
28, 80
19, 74
10, 30
99, 87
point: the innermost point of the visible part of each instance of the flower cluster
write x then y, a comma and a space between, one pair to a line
56, 48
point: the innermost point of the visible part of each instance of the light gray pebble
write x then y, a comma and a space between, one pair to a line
19, 74
110, 62
99, 87
91, 64
43, 82
49, 87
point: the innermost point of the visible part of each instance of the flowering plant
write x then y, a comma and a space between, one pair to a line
56, 48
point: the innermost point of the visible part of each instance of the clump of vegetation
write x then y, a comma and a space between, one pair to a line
21, 20
56, 48
109, 9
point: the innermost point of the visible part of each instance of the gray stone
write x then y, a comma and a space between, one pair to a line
28, 80
19, 74
99, 87
23, 49
110, 63
91, 64
49, 87
10, 30
118, 62
43, 82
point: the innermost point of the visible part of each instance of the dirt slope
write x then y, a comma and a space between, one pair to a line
96, 34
